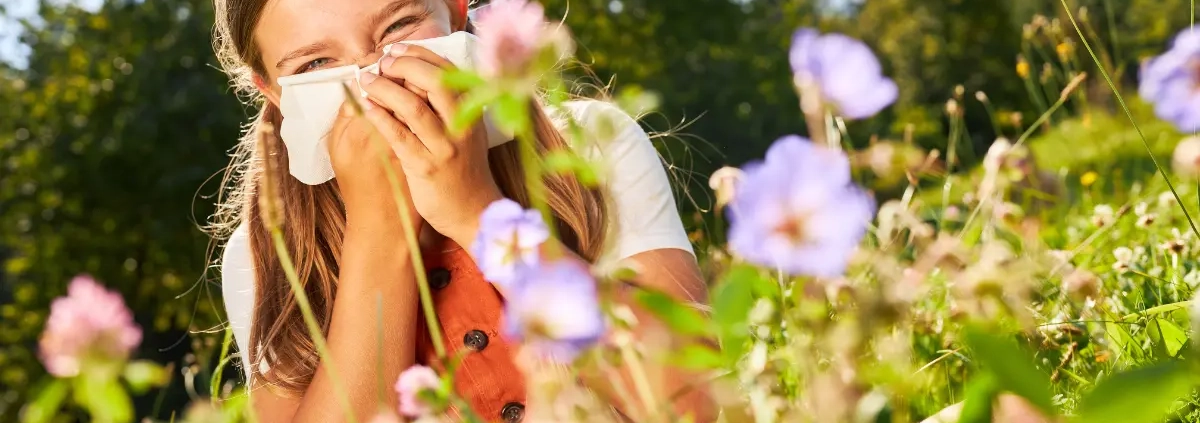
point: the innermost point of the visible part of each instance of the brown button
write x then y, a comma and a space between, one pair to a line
513, 412
439, 278
476, 340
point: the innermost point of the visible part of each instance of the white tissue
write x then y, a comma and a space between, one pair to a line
311, 102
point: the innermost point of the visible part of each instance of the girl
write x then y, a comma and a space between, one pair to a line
345, 235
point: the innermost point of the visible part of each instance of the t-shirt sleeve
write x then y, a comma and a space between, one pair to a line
237, 287
642, 210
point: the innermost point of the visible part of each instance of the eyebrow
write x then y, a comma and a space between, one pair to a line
391, 9
301, 52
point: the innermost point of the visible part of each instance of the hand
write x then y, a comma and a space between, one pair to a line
449, 176
354, 148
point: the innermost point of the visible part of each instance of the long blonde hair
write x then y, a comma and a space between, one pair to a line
314, 219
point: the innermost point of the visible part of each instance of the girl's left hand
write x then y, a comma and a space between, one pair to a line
449, 177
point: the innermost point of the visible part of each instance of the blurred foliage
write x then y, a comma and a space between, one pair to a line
113, 131
106, 138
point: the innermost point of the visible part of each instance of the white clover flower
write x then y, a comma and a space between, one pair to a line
1166, 200
1123, 254
1192, 278
1103, 215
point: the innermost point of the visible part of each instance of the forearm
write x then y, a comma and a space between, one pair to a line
374, 323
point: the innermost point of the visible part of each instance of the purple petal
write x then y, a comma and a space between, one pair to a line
870, 101
801, 51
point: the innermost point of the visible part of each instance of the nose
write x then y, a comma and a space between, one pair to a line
369, 59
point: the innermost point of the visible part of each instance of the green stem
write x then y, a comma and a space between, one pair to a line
414, 248
1128, 114
1112, 30
410, 235
640, 383
215, 383
531, 166
310, 320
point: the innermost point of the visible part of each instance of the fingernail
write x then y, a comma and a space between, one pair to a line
367, 104
366, 78
397, 50
386, 62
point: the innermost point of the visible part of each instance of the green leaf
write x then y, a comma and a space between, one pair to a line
511, 113
1012, 367
731, 302
1121, 337
143, 375
1142, 395
470, 109
47, 402
681, 319
698, 357
462, 80
105, 399
565, 161
1168, 338
637, 102
980, 394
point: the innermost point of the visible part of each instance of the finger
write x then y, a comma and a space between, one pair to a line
340, 126
422, 77
410, 110
410, 50
402, 141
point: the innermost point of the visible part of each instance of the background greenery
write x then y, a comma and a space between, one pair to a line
113, 137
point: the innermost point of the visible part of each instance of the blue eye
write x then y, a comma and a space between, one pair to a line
315, 64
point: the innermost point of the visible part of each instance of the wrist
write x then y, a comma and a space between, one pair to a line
382, 221
465, 230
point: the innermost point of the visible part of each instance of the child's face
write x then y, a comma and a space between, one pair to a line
297, 36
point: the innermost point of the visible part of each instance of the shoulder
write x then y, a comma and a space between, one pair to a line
237, 288
642, 215
237, 264
610, 137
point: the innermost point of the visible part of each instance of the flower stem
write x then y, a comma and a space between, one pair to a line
531, 166
310, 320
414, 248
223, 359
410, 234
272, 217
640, 382
618, 388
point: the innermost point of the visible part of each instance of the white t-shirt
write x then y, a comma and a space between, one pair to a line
642, 212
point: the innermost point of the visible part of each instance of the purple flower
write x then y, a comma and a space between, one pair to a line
509, 238
417, 388
90, 324
1172, 82
842, 71
799, 211
554, 309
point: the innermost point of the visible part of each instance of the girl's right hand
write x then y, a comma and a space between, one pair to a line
354, 151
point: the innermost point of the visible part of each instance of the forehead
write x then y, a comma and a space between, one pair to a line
283, 19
